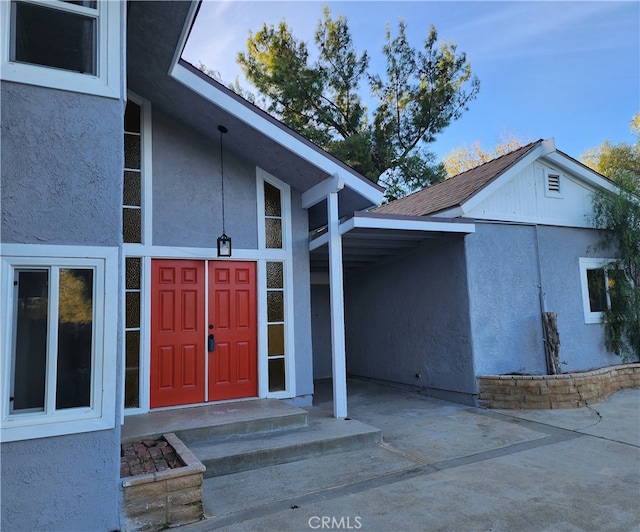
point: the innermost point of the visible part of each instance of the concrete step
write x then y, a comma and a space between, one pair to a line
322, 436
217, 421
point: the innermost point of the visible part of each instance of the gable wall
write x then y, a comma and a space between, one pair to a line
523, 199
187, 206
410, 317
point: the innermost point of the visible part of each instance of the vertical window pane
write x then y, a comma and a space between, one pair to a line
275, 277
133, 310
132, 189
273, 229
132, 117
132, 156
272, 201
132, 375
132, 225
275, 334
597, 290
616, 283
276, 375
30, 358
54, 38
75, 338
275, 306
133, 268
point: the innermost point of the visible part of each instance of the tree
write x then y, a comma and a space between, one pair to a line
422, 92
619, 215
465, 157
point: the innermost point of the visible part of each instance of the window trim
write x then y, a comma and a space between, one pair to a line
101, 414
589, 263
109, 54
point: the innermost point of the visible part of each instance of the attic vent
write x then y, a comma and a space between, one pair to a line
553, 183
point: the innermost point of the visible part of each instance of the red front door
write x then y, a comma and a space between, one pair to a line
177, 332
232, 321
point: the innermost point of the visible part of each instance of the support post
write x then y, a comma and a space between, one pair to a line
339, 364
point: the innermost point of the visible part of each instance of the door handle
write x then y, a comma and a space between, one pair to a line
211, 344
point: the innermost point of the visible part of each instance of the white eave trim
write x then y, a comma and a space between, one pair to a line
585, 174
268, 128
546, 147
427, 225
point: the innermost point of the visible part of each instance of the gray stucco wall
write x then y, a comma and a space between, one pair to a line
582, 344
302, 299
61, 167
506, 321
61, 483
407, 321
187, 204
321, 319
62, 159
504, 281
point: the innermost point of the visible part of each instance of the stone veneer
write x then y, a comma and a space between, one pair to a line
173, 497
568, 390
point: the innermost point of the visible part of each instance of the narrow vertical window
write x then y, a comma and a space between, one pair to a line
273, 216
276, 326
133, 272
132, 186
30, 347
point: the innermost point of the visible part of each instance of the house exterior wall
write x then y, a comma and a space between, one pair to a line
507, 265
321, 312
61, 167
61, 185
407, 321
506, 321
582, 344
187, 205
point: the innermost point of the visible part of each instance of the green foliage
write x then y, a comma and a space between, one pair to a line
619, 215
422, 92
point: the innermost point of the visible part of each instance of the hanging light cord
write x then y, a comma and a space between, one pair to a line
222, 130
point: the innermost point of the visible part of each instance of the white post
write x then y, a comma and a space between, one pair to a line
337, 309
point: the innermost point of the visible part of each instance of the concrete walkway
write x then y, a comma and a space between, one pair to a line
449, 467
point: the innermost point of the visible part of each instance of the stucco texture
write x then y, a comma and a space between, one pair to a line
187, 189
407, 321
63, 483
509, 266
62, 160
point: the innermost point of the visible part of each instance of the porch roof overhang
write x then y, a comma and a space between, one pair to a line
157, 33
369, 237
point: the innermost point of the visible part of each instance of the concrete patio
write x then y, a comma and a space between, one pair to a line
445, 466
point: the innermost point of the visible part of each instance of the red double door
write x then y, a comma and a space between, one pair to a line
184, 367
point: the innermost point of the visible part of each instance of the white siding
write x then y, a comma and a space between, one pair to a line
523, 198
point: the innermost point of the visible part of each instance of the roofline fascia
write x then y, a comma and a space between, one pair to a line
250, 115
408, 223
585, 173
543, 148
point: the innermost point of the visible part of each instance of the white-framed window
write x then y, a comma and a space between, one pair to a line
63, 44
275, 305
597, 279
59, 346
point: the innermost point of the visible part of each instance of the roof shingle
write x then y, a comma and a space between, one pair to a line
454, 191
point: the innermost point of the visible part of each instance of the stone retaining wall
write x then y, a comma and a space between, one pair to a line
173, 497
569, 390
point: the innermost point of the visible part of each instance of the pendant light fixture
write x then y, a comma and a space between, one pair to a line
224, 242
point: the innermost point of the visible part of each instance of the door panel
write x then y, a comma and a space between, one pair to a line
232, 312
177, 332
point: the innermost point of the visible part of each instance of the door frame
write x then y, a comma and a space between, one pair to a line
260, 257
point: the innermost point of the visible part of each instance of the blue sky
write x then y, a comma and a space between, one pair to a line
569, 70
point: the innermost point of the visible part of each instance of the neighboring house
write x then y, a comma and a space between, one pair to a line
465, 306
117, 181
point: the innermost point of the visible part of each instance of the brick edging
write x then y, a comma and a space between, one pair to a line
567, 390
